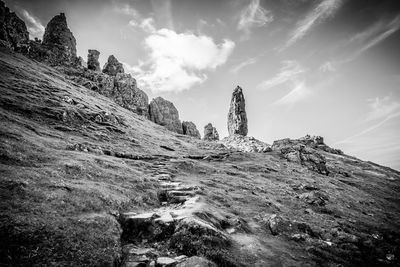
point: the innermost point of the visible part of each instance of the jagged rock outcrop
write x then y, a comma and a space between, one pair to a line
237, 118
93, 60
245, 144
60, 42
127, 94
13, 31
163, 112
317, 142
210, 133
189, 128
302, 151
113, 66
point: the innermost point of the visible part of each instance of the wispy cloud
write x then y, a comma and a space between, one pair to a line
382, 108
327, 66
324, 10
381, 111
253, 15
35, 28
178, 61
289, 72
372, 36
250, 61
299, 92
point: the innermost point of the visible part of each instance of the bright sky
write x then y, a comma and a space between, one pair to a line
319, 67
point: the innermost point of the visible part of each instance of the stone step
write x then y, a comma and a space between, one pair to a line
166, 185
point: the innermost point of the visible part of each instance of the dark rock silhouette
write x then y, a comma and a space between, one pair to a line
210, 133
93, 60
60, 41
13, 32
189, 128
113, 66
237, 118
164, 113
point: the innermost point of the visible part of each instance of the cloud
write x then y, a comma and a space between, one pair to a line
381, 111
35, 28
253, 15
163, 13
299, 92
327, 67
372, 36
146, 24
289, 72
177, 61
247, 62
382, 108
324, 10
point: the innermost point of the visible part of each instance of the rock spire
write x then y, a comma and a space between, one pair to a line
237, 118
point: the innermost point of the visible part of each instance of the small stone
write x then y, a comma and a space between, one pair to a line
390, 257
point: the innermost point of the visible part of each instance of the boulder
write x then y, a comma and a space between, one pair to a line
13, 32
93, 60
127, 95
237, 118
113, 66
60, 42
210, 133
164, 113
189, 128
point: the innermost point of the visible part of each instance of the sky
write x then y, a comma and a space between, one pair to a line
318, 67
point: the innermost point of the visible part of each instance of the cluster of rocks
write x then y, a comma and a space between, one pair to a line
58, 49
13, 32
245, 144
210, 133
300, 152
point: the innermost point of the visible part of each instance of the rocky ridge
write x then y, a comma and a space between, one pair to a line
13, 32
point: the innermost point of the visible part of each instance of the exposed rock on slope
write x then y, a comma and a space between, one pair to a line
189, 128
245, 144
60, 42
210, 133
237, 118
303, 151
113, 66
164, 113
13, 31
93, 60
127, 95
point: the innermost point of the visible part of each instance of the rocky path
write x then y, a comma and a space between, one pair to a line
148, 236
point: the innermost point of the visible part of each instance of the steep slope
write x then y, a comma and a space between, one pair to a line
85, 182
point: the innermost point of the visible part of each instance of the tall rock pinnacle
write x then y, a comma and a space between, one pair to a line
58, 34
237, 118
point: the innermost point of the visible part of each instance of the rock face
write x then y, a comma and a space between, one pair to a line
60, 41
127, 94
237, 118
303, 151
210, 133
113, 66
164, 113
246, 144
13, 31
93, 60
189, 128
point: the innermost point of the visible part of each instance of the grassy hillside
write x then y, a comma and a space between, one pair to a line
72, 162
